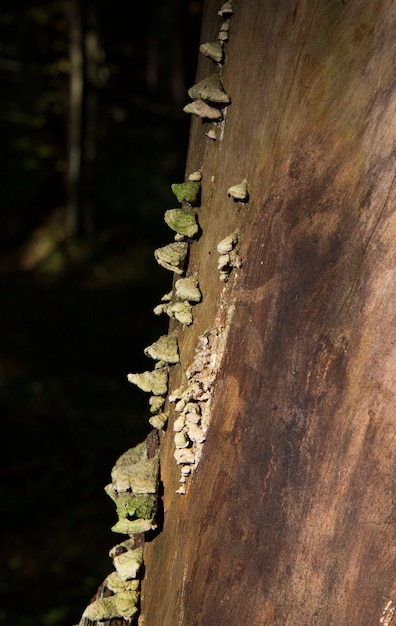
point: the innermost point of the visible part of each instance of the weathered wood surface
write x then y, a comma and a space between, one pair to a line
290, 516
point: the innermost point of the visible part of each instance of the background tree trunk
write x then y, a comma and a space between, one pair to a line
289, 516
76, 106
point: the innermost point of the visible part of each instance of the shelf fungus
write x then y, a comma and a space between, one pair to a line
204, 110
239, 192
121, 605
128, 564
209, 89
134, 489
135, 472
211, 134
164, 349
182, 312
227, 244
159, 420
223, 35
115, 583
172, 256
226, 9
188, 289
156, 403
213, 50
167, 297
155, 381
195, 176
187, 192
182, 221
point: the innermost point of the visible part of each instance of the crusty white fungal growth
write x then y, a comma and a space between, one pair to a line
184, 456
229, 260
193, 402
224, 261
181, 439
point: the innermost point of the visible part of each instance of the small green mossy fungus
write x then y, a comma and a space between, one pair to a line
164, 349
172, 256
140, 506
121, 605
209, 89
183, 221
187, 192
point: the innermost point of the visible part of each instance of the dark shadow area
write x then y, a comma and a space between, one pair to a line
76, 301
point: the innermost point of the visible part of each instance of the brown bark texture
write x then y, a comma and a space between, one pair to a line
289, 516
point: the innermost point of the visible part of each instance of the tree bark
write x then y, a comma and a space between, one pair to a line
76, 105
289, 517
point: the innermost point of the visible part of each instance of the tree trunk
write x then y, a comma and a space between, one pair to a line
76, 104
289, 516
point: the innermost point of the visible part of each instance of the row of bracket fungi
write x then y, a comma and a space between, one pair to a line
208, 96
135, 476
191, 425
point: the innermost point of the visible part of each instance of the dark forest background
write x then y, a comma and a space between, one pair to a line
85, 180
